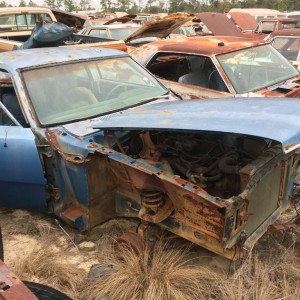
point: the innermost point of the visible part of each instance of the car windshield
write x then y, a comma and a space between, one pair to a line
76, 91
255, 68
188, 30
289, 47
122, 33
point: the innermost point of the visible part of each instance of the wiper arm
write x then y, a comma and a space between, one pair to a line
164, 96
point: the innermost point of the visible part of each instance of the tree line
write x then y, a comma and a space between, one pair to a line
160, 6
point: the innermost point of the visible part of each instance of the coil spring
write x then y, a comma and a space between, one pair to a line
152, 199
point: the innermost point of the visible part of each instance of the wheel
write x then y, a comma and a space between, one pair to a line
118, 88
43, 292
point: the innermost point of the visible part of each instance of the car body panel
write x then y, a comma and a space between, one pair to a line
218, 116
244, 20
68, 18
22, 180
219, 24
159, 28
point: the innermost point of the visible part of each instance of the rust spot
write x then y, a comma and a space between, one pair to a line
92, 146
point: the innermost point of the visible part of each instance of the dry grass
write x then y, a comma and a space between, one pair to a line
263, 277
167, 270
44, 265
164, 273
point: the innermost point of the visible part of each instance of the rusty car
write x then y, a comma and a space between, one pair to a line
268, 25
90, 135
223, 66
287, 42
16, 23
118, 31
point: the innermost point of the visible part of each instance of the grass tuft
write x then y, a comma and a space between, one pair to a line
163, 273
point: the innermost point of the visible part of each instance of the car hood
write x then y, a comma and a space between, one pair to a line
244, 20
275, 119
219, 24
159, 28
67, 18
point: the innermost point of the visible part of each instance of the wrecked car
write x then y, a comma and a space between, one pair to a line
118, 31
287, 42
89, 135
268, 25
220, 65
16, 23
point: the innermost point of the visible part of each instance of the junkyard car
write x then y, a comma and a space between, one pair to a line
230, 65
114, 31
268, 25
287, 42
89, 135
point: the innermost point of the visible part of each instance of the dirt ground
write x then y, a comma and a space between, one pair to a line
39, 248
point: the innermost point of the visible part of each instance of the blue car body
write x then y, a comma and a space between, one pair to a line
216, 172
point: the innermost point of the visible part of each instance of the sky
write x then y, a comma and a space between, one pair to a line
94, 3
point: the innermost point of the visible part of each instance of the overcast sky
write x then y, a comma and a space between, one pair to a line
94, 3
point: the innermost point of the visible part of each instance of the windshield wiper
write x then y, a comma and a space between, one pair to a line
164, 96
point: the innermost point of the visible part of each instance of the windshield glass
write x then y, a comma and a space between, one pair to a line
122, 33
75, 91
188, 30
289, 47
255, 68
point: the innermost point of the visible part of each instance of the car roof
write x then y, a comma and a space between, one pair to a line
291, 32
284, 20
18, 59
204, 45
17, 10
120, 25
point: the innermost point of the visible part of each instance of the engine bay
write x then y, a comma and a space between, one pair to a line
210, 161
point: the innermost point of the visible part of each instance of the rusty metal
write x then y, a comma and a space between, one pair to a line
283, 227
124, 19
155, 207
132, 240
207, 45
149, 150
244, 20
219, 24
11, 287
159, 28
285, 32
152, 199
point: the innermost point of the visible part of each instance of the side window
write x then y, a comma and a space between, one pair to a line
10, 111
169, 66
102, 33
21, 21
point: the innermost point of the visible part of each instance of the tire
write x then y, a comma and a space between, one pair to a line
43, 292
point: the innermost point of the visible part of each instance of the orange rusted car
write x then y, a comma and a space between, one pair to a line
213, 67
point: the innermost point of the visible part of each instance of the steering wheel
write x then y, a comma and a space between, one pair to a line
118, 89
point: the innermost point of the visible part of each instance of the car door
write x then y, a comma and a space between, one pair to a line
22, 182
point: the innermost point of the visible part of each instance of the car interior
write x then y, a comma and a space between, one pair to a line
187, 69
10, 102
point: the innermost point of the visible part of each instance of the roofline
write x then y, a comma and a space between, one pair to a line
4, 10
203, 41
